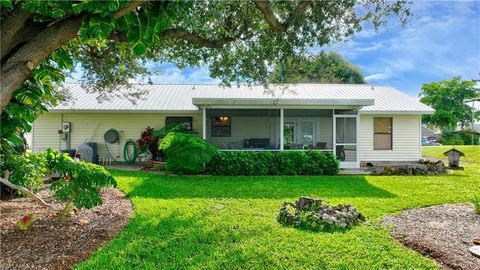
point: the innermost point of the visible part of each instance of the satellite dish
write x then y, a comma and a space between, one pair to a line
111, 136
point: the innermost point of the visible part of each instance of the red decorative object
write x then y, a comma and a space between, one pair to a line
78, 155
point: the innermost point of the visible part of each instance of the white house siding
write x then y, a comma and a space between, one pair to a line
92, 126
406, 139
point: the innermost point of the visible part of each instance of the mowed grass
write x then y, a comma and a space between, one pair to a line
206, 222
472, 152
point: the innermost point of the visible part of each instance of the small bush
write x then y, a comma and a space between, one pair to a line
273, 163
186, 153
150, 138
449, 138
80, 182
25, 169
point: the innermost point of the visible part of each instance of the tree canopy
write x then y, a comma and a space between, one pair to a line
325, 67
448, 99
112, 40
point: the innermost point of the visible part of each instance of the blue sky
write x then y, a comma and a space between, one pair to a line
441, 40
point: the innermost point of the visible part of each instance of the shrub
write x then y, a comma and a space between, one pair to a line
273, 163
449, 138
150, 138
25, 169
186, 153
80, 182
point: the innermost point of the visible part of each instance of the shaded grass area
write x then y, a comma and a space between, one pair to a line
207, 222
472, 152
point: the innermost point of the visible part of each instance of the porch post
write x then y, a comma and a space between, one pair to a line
358, 138
334, 134
281, 129
204, 123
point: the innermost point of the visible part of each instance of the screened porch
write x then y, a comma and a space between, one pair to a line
331, 130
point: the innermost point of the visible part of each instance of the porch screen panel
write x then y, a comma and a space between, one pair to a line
346, 153
346, 130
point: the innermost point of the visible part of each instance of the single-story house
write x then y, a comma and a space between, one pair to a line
358, 123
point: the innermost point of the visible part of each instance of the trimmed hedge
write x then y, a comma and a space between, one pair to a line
273, 163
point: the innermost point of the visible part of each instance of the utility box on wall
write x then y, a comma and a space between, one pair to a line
65, 131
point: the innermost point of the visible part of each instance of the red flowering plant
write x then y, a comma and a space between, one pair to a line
149, 141
78, 155
26, 221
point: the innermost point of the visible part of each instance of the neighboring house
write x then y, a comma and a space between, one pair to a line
426, 131
356, 122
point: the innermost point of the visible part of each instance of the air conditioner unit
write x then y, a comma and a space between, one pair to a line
66, 127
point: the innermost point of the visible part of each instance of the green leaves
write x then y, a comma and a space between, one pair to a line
6, 4
273, 163
80, 182
62, 58
139, 48
30, 100
96, 28
25, 170
186, 153
325, 67
448, 99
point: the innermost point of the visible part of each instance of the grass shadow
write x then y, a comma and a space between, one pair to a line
150, 185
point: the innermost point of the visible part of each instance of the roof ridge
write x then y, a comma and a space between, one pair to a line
235, 84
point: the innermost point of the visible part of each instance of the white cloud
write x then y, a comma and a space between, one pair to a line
377, 77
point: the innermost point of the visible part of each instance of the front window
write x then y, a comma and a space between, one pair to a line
383, 130
186, 122
221, 126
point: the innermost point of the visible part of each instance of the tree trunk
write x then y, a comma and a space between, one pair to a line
25, 44
20, 64
23, 189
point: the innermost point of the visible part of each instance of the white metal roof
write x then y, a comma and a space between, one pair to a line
187, 97
388, 100
298, 94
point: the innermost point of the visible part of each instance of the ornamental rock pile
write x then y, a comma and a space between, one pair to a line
316, 214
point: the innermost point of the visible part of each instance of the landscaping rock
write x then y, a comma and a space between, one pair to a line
423, 167
316, 214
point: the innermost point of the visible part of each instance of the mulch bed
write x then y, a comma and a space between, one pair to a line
443, 232
53, 244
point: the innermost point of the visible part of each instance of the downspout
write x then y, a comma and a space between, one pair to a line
60, 135
282, 120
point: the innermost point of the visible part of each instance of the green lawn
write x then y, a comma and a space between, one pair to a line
472, 152
205, 222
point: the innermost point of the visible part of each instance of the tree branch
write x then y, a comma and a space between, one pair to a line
14, 22
133, 5
266, 9
16, 69
22, 189
196, 39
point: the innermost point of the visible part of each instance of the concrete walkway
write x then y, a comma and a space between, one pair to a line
353, 172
